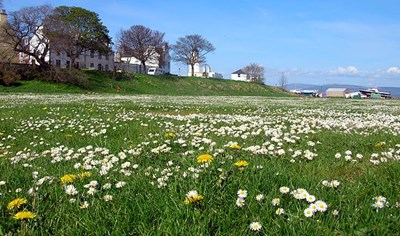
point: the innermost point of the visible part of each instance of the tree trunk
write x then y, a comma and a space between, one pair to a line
192, 66
144, 67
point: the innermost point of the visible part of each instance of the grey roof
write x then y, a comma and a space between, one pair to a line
239, 72
336, 89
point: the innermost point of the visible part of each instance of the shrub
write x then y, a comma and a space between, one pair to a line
8, 77
66, 76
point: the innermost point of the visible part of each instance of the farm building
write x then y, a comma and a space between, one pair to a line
337, 92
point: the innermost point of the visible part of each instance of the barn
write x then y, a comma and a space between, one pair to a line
337, 92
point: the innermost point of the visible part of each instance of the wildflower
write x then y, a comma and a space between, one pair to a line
120, 184
335, 183
313, 207
84, 205
338, 155
23, 215
106, 186
84, 175
321, 206
378, 205
2, 182
259, 197
93, 183
284, 189
255, 226
310, 198
205, 158
241, 164
169, 135
308, 212
70, 190
240, 202
108, 198
380, 199
91, 191
192, 197
235, 146
242, 193
16, 203
276, 201
280, 211
67, 179
335, 213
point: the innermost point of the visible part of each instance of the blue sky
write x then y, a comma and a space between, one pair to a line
313, 41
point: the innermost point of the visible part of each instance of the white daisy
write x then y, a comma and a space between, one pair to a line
255, 226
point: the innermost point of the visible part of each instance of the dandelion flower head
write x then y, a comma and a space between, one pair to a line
205, 158
241, 164
23, 215
16, 203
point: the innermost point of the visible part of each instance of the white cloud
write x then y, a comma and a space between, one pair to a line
393, 70
350, 70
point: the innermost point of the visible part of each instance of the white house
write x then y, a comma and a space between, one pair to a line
204, 71
88, 59
132, 64
239, 75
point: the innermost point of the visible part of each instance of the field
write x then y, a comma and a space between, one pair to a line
169, 165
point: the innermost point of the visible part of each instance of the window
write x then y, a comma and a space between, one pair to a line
91, 65
107, 57
99, 56
91, 53
68, 64
58, 63
99, 67
239, 75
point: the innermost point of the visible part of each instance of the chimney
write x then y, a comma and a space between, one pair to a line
3, 16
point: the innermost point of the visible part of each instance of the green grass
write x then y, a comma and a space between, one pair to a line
57, 135
101, 82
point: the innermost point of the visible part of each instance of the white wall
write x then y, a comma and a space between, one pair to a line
240, 77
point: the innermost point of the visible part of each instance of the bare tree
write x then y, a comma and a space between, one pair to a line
74, 30
142, 43
283, 81
191, 50
24, 31
255, 72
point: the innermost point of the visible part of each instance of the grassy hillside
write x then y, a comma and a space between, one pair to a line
101, 82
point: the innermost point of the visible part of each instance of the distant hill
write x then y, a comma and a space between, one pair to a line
103, 82
395, 91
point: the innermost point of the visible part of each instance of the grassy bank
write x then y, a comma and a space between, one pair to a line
101, 82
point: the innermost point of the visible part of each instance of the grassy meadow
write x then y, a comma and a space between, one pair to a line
77, 164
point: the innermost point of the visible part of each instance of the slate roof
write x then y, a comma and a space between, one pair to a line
239, 72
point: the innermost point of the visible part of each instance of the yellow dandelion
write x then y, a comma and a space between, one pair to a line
205, 158
67, 179
16, 203
241, 164
380, 144
235, 146
23, 215
193, 199
169, 135
84, 175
